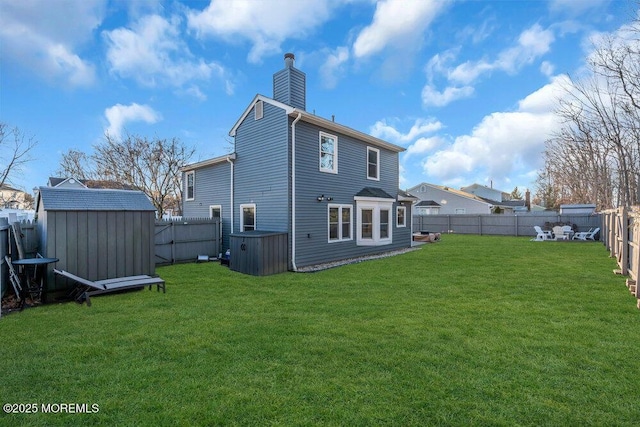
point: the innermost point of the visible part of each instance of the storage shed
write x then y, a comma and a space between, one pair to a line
259, 253
96, 234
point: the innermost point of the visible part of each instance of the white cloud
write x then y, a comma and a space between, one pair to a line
333, 67
424, 145
432, 97
383, 130
153, 54
547, 68
502, 144
44, 37
264, 24
119, 115
396, 23
532, 44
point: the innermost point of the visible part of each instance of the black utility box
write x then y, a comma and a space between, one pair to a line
259, 253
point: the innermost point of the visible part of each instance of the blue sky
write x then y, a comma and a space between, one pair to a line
467, 87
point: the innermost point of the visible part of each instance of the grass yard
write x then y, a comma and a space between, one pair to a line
473, 330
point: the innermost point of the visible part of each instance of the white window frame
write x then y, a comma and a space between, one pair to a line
255, 215
212, 207
375, 205
375, 150
461, 211
193, 185
335, 153
258, 111
340, 207
404, 216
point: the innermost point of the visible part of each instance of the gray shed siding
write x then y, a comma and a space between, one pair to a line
261, 169
312, 246
99, 242
212, 187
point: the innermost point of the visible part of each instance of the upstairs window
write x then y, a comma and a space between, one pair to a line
191, 181
328, 153
373, 163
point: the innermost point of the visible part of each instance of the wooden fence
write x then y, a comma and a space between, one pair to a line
503, 224
186, 239
175, 241
621, 236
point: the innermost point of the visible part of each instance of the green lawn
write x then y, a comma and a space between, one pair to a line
469, 331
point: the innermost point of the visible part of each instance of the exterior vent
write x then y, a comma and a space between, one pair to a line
258, 110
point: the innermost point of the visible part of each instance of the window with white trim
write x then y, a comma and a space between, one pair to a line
190, 178
401, 216
373, 163
461, 211
340, 220
328, 153
258, 111
373, 223
215, 211
248, 217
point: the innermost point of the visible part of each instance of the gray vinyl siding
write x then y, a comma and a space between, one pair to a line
262, 169
312, 246
212, 187
289, 87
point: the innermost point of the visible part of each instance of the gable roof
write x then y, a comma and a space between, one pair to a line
208, 162
428, 203
453, 191
57, 181
81, 199
316, 120
375, 192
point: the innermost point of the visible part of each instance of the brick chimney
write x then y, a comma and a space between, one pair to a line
289, 84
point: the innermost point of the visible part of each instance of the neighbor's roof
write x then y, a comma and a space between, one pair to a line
81, 199
428, 203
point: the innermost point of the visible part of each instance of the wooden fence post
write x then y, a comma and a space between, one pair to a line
623, 257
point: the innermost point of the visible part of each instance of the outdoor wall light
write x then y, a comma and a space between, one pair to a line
320, 198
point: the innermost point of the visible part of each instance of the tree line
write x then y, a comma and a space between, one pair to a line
595, 155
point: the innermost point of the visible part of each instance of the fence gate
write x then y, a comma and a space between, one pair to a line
184, 240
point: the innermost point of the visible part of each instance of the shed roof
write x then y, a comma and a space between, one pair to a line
81, 199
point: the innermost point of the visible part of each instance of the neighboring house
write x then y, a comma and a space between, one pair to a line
65, 183
501, 200
87, 183
437, 199
12, 198
486, 192
332, 189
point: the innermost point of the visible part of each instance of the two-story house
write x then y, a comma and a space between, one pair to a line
332, 189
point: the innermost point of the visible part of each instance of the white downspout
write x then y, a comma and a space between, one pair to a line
232, 218
293, 192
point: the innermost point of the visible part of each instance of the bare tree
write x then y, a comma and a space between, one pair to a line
152, 166
76, 164
595, 156
15, 151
